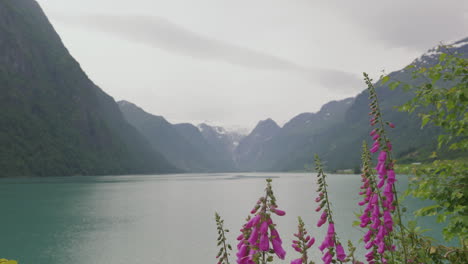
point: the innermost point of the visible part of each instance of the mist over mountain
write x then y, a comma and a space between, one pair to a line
54, 120
183, 144
337, 131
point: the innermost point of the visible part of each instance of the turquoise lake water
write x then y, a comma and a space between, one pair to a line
158, 218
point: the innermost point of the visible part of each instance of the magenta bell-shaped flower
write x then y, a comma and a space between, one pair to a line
264, 242
278, 248
253, 236
297, 261
279, 212
340, 254
275, 235
311, 242
264, 227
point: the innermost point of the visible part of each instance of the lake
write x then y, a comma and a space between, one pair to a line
158, 218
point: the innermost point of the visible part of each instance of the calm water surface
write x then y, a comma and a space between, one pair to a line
155, 219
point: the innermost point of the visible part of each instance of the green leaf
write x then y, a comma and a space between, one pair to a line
442, 56
385, 79
394, 85
425, 120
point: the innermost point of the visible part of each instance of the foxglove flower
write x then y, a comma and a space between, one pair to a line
254, 242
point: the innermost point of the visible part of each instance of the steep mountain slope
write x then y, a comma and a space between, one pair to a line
338, 137
223, 141
182, 144
218, 161
53, 119
251, 149
296, 133
164, 137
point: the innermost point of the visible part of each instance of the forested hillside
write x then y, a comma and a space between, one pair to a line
53, 119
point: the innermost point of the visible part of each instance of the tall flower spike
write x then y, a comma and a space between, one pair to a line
223, 253
260, 237
331, 242
384, 168
302, 244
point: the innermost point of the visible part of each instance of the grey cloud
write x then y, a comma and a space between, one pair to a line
415, 24
163, 34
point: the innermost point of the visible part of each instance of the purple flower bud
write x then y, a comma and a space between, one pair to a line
381, 183
391, 176
381, 247
254, 210
239, 245
311, 242
331, 229
279, 212
380, 168
367, 236
264, 242
381, 234
297, 261
264, 227
297, 248
253, 236
340, 254
382, 156
278, 248
389, 146
388, 221
253, 221
275, 235
327, 258
321, 222
242, 251
324, 245
369, 245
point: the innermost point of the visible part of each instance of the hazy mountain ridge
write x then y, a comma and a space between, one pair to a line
54, 121
184, 145
250, 149
339, 142
296, 133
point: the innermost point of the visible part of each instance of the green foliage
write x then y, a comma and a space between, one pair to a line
446, 183
223, 253
6, 261
442, 99
54, 121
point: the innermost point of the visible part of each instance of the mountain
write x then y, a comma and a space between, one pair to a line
251, 148
283, 145
337, 131
182, 144
223, 141
54, 120
220, 161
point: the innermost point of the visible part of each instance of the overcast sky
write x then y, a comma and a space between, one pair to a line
235, 62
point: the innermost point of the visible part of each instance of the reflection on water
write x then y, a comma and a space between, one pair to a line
154, 218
